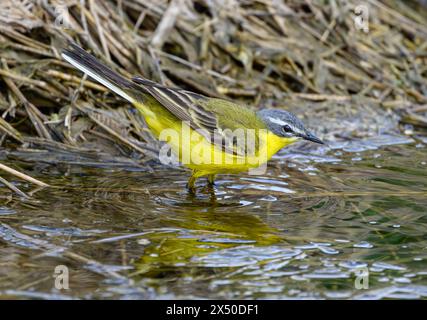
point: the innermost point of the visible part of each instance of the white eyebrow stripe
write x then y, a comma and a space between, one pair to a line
278, 121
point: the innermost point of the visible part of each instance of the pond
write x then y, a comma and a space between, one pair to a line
345, 221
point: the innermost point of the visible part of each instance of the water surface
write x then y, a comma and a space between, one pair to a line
304, 229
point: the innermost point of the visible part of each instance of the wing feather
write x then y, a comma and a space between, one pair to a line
204, 114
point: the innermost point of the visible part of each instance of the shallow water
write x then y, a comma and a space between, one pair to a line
308, 228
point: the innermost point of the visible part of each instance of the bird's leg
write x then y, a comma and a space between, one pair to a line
211, 179
191, 182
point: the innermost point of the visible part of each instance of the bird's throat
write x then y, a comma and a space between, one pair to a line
275, 143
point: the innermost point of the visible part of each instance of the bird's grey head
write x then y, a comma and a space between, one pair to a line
285, 124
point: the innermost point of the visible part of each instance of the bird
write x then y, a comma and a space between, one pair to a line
209, 135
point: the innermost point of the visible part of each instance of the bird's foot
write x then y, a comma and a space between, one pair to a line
211, 180
191, 189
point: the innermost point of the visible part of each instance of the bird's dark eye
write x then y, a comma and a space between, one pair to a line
287, 128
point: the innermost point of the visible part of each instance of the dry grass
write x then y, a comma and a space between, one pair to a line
263, 53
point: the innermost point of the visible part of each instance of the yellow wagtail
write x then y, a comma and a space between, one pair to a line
205, 139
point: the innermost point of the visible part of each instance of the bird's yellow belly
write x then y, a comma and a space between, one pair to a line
195, 152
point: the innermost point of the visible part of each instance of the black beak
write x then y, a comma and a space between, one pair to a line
311, 137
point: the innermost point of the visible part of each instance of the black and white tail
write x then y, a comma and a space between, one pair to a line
184, 105
88, 64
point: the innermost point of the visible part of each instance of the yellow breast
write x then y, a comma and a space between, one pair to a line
196, 152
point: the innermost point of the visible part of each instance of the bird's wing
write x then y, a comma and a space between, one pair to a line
216, 119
